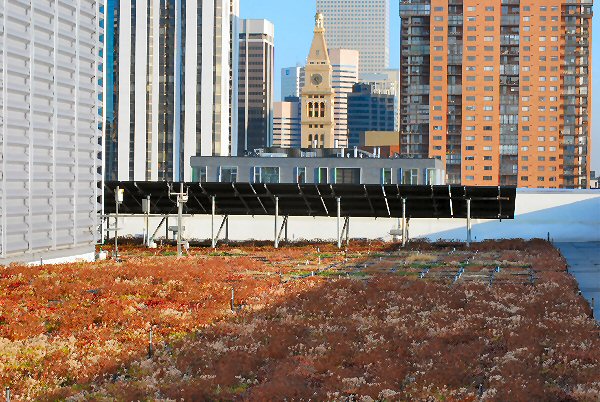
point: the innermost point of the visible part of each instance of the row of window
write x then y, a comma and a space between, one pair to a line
262, 174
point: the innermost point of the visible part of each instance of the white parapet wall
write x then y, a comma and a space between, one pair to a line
564, 215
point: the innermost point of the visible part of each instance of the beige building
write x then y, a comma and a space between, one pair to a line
287, 125
317, 93
361, 25
344, 63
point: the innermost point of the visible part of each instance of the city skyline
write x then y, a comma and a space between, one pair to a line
292, 43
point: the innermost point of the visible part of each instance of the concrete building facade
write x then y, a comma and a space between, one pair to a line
344, 63
361, 25
287, 124
499, 91
255, 85
320, 166
49, 136
175, 79
317, 93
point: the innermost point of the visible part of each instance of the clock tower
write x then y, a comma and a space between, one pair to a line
317, 94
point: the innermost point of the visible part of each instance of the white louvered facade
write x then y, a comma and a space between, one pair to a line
49, 136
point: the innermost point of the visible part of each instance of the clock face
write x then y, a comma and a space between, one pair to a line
316, 79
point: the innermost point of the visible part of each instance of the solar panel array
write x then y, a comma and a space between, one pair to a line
375, 201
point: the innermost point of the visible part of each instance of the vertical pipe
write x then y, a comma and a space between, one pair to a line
7, 394
276, 223
179, 223
150, 344
404, 228
468, 222
227, 228
167, 229
148, 223
339, 229
212, 223
117, 223
286, 228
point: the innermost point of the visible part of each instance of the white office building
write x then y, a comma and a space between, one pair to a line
345, 74
361, 25
49, 136
175, 67
290, 82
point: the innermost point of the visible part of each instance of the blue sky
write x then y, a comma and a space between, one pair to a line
294, 21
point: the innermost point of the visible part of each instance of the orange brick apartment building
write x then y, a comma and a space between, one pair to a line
500, 90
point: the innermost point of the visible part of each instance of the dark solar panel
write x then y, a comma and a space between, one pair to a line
359, 200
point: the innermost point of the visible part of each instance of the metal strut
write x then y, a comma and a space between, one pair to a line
224, 224
346, 230
282, 229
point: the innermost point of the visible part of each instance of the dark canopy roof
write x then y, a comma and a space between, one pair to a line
375, 201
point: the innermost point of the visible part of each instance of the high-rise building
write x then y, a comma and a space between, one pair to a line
317, 93
49, 129
361, 25
255, 85
387, 82
344, 63
287, 124
175, 75
499, 90
290, 82
369, 110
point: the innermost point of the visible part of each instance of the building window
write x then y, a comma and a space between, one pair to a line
322, 175
430, 177
266, 174
410, 176
228, 174
386, 176
300, 175
347, 175
199, 174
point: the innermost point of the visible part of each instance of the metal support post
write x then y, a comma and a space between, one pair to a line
227, 229
167, 229
147, 221
339, 215
276, 223
179, 223
212, 222
286, 228
118, 201
182, 198
404, 226
468, 222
